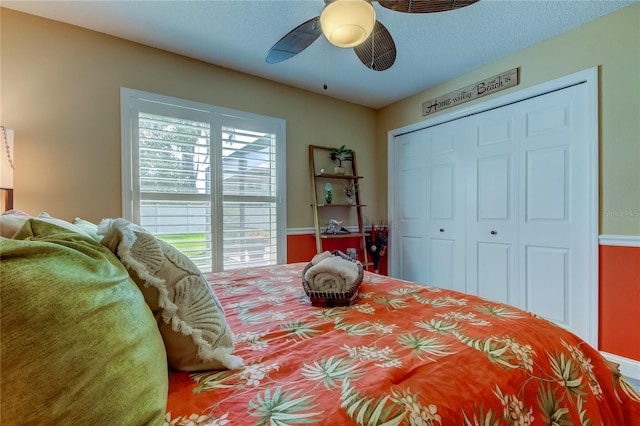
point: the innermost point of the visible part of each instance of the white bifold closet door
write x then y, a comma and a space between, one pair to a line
497, 204
430, 193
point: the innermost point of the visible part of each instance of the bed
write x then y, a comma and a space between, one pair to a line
106, 325
405, 353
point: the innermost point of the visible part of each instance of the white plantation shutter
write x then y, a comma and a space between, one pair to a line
210, 181
249, 165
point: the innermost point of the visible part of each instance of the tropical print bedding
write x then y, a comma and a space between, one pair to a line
404, 354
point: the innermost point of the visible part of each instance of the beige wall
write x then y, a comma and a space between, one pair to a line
60, 89
613, 44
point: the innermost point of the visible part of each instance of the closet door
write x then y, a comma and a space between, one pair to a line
429, 234
527, 239
492, 206
555, 208
409, 234
510, 205
444, 180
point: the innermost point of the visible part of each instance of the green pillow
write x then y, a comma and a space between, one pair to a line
79, 344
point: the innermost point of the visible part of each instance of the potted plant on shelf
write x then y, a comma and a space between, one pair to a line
340, 154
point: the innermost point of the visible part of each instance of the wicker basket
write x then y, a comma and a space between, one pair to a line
331, 299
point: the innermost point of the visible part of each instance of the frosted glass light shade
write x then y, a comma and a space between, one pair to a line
347, 23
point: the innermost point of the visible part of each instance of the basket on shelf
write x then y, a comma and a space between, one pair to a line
331, 299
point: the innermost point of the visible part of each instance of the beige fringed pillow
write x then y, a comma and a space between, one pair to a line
189, 315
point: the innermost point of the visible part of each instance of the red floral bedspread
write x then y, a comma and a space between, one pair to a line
403, 354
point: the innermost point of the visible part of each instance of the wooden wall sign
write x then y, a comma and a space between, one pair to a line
474, 91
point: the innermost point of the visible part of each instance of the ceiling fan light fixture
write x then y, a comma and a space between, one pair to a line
347, 23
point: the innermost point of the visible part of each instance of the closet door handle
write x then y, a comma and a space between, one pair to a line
441, 229
494, 232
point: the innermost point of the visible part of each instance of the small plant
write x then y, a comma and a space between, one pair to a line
341, 154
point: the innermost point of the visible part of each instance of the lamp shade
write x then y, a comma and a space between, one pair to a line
347, 23
6, 158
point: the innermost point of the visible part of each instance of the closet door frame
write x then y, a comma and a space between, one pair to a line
589, 78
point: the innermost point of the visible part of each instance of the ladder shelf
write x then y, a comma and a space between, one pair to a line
319, 162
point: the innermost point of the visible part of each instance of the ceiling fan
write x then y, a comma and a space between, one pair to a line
352, 23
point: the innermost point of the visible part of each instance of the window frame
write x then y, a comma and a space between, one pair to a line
130, 104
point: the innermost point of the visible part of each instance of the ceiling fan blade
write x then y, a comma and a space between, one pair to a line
295, 41
424, 6
378, 52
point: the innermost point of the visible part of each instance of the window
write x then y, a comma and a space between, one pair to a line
208, 180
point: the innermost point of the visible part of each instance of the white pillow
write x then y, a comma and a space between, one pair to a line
12, 220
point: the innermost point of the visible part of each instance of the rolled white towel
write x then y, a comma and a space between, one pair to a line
332, 274
320, 257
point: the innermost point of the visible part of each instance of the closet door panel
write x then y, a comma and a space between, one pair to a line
492, 208
443, 262
412, 204
495, 270
547, 278
441, 192
412, 266
494, 184
547, 185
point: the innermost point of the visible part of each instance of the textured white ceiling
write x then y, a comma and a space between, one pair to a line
431, 48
